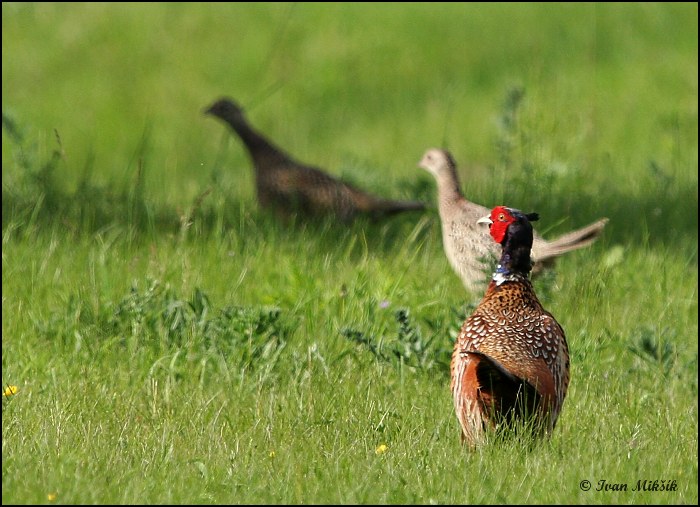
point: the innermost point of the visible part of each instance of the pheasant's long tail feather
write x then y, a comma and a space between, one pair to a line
378, 208
570, 241
391, 207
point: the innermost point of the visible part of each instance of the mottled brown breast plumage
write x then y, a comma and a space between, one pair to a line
511, 335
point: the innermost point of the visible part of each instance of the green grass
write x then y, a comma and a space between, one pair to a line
173, 344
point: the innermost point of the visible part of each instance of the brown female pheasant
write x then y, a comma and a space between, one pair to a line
466, 243
510, 361
288, 186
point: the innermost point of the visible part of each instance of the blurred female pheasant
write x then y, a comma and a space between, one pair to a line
291, 187
510, 361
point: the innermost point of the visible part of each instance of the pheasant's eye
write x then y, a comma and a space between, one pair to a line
501, 217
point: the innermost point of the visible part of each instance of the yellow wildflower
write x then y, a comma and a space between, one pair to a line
272, 454
51, 496
10, 390
381, 449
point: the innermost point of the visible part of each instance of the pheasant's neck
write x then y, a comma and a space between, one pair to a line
501, 275
257, 145
514, 264
448, 188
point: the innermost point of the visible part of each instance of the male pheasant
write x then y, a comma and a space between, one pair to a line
287, 186
466, 243
510, 361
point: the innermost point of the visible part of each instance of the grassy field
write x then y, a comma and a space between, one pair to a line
171, 343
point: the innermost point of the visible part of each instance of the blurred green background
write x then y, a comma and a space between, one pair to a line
342, 85
173, 344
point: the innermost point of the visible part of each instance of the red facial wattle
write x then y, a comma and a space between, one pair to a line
501, 219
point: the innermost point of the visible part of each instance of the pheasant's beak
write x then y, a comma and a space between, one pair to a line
485, 220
